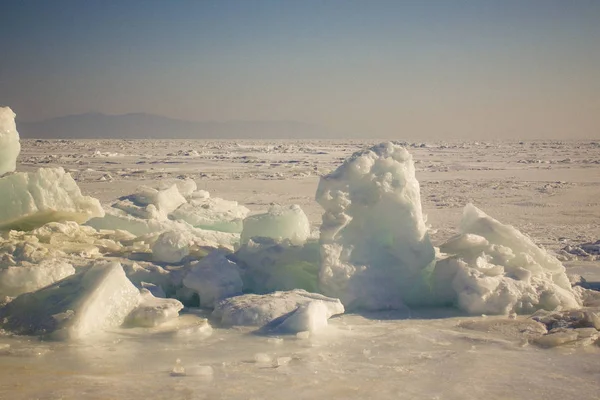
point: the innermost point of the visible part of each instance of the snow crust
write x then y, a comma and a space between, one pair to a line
495, 269
375, 250
10, 147
81, 305
279, 223
31, 199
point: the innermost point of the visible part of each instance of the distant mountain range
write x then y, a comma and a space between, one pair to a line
149, 126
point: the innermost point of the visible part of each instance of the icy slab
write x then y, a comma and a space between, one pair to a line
375, 250
32, 199
76, 307
279, 223
153, 311
16, 280
171, 247
10, 146
495, 269
268, 265
259, 310
214, 278
185, 186
211, 213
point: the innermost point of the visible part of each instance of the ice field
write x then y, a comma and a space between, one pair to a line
298, 269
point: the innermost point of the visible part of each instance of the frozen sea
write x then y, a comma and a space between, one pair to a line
547, 189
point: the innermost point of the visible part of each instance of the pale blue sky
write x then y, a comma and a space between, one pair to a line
484, 69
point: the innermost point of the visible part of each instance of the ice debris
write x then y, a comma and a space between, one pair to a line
171, 247
375, 250
260, 310
76, 307
268, 265
153, 311
10, 147
32, 199
279, 223
28, 277
213, 278
495, 269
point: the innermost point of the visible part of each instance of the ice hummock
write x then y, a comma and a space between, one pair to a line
32, 199
10, 147
79, 306
495, 269
279, 223
375, 250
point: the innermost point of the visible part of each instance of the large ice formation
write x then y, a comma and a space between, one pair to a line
81, 305
31, 199
375, 250
259, 310
495, 269
213, 278
279, 223
9, 141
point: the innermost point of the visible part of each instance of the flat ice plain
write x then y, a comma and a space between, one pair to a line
549, 190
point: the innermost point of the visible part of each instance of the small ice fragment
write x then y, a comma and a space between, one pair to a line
283, 361
178, 369
275, 340
262, 358
205, 371
303, 335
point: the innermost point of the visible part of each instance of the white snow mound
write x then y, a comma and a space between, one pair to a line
375, 250
31, 199
495, 269
10, 147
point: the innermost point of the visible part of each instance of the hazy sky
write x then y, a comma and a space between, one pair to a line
420, 68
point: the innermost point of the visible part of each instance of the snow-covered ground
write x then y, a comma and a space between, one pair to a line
546, 189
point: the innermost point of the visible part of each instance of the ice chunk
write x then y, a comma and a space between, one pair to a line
171, 247
31, 199
309, 317
10, 146
495, 269
375, 250
279, 223
214, 278
185, 186
212, 213
259, 310
81, 305
165, 200
153, 311
269, 266
16, 280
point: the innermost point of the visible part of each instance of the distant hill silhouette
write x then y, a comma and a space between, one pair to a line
149, 126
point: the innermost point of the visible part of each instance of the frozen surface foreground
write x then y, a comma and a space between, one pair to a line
547, 190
